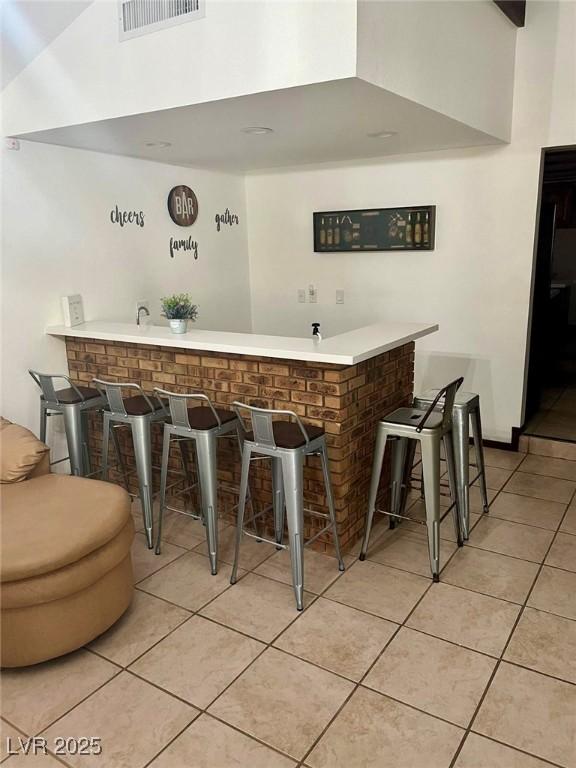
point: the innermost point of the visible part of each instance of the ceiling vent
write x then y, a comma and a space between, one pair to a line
139, 17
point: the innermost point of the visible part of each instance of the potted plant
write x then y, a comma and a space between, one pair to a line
178, 309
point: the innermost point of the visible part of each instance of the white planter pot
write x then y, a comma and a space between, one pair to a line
178, 326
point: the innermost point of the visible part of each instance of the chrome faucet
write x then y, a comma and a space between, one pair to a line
142, 309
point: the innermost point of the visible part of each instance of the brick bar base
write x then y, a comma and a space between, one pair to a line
347, 401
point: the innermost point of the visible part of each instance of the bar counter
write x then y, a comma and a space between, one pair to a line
344, 384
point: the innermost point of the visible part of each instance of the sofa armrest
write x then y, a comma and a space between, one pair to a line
43, 468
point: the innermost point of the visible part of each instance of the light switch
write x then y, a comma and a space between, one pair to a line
340, 296
301, 296
312, 294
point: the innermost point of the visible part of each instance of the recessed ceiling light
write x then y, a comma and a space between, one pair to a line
381, 135
160, 144
257, 130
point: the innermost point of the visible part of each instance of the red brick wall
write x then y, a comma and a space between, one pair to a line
346, 400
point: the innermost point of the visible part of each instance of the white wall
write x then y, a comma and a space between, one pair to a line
58, 239
240, 47
454, 57
445, 55
477, 282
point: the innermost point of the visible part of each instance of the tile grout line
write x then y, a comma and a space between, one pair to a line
517, 749
270, 645
359, 683
505, 648
82, 700
187, 619
267, 646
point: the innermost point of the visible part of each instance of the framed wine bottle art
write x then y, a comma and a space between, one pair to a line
375, 229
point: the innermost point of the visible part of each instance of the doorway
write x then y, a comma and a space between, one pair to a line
551, 383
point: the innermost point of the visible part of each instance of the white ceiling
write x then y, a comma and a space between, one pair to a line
317, 123
28, 26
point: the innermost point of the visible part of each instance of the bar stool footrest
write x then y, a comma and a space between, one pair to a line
414, 519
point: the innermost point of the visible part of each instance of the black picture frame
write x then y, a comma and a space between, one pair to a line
405, 228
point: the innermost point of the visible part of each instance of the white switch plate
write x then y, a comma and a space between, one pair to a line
312, 294
301, 295
73, 310
339, 296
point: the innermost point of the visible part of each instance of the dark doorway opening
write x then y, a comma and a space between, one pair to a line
551, 383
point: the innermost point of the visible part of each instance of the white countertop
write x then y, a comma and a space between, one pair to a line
344, 349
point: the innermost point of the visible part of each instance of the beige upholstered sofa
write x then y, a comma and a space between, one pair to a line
66, 572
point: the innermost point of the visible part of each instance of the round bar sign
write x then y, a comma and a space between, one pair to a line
182, 206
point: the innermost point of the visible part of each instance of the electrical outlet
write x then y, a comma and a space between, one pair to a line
340, 296
301, 296
312, 294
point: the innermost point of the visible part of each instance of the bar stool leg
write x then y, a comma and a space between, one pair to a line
207, 468
461, 434
119, 457
43, 420
292, 472
241, 507
73, 429
478, 449
143, 454
278, 500
255, 519
407, 479
399, 449
85, 442
374, 483
163, 482
186, 464
455, 498
431, 471
330, 501
105, 441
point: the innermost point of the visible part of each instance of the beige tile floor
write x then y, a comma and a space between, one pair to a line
556, 417
383, 669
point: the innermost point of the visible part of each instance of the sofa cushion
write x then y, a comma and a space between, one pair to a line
20, 452
54, 520
70, 579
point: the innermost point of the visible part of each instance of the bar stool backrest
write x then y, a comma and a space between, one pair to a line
448, 395
178, 404
46, 383
263, 423
113, 392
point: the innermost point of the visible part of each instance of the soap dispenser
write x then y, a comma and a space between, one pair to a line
316, 335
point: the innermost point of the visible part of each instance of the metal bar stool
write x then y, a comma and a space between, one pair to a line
466, 412
202, 424
287, 444
73, 403
139, 412
431, 428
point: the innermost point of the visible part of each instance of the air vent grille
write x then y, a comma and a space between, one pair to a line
139, 17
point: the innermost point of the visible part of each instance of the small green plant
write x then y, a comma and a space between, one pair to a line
179, 307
